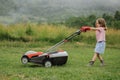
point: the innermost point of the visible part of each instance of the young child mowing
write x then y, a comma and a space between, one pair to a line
100, 28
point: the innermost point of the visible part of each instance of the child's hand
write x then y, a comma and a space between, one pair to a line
85, 28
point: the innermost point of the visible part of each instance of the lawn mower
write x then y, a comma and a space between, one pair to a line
49, 57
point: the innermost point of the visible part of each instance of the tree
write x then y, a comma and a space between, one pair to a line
76, 21
91, 20
108, 18
117, 15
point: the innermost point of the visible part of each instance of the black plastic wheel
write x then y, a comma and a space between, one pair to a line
24, 60
48, 63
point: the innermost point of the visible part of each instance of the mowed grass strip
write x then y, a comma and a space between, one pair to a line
76, 68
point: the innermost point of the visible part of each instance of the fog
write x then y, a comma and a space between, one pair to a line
45, 10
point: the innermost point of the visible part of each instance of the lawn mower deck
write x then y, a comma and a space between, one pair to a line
46, 59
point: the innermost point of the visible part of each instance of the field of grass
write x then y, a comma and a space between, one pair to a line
11, 67
51, 33
19, 38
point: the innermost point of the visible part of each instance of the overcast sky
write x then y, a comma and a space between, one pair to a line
61, 8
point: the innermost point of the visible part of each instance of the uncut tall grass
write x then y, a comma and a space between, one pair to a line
51, 33
31, 32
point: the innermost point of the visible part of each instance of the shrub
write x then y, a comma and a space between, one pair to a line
29, 30
116, 24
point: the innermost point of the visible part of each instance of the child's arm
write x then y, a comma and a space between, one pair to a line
93, 28
85, 28
88, 28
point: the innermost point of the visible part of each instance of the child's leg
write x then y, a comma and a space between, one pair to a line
93, 59
101, 59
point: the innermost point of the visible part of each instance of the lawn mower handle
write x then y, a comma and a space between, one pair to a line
85, 28
63, 41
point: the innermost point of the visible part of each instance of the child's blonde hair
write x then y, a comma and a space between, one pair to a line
102, 22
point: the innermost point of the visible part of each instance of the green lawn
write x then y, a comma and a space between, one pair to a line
11, 67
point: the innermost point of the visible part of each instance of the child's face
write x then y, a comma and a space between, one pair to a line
97, 24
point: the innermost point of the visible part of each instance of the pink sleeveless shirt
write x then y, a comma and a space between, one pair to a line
100, 34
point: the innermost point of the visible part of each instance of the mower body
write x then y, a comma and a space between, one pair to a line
46, 59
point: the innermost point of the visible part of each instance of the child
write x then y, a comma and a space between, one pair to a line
100, 37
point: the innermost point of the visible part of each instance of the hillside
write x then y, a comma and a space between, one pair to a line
52, 10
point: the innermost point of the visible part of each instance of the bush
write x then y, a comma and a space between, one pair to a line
116, 24
29, 30
117, 15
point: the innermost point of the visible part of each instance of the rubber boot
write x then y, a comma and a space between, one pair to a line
102, 63
91, 63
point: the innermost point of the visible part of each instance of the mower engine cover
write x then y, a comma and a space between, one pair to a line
46, 59
28, 55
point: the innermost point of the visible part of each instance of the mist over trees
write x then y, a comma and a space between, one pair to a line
111, 20
56, 11
6, 6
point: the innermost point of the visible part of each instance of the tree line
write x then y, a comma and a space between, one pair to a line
112, 21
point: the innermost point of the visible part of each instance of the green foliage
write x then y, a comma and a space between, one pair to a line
4, 35
29, 30
117, 15
52, 34
81, 21
116, 24
91, 20
109, 19
112, 21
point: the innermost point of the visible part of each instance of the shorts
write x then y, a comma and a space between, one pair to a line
100, 47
